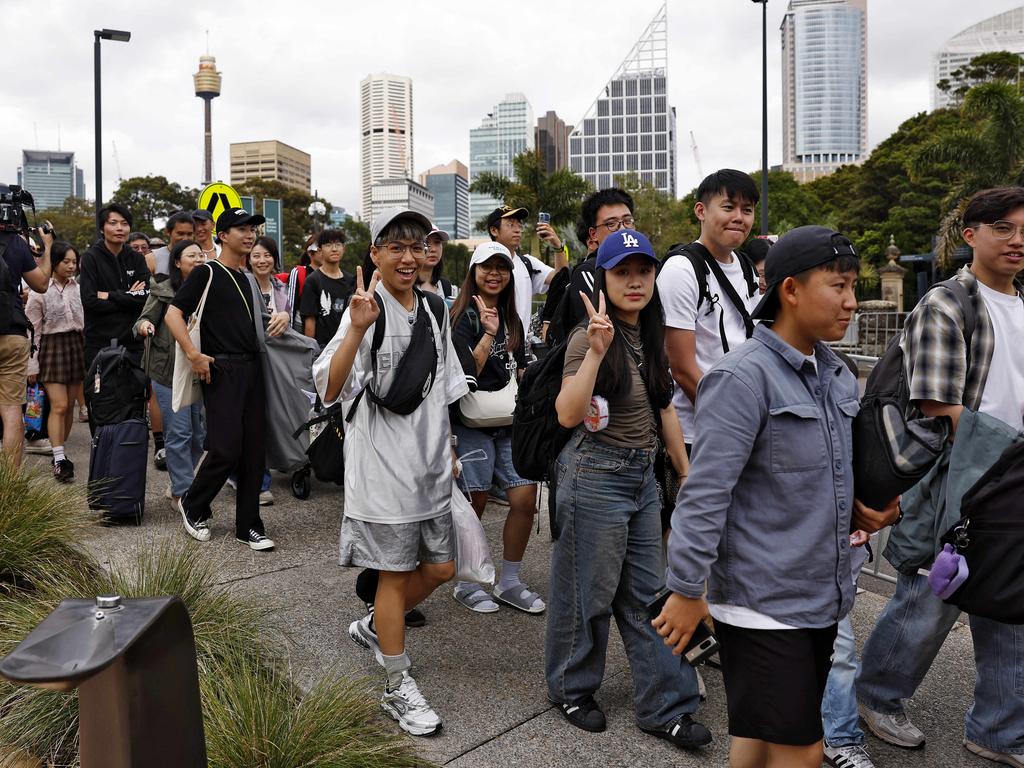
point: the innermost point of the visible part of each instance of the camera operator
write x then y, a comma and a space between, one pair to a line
17, 264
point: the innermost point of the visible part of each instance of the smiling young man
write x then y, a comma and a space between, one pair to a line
114, 282
327, 290
699, 330
944, 378
398, 456
766, 516
231, 369
179, 227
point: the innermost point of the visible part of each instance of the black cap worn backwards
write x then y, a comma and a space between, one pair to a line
797, 251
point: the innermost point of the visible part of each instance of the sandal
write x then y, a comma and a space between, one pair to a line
476, 600
521, 598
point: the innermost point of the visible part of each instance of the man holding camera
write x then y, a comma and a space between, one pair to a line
17, 263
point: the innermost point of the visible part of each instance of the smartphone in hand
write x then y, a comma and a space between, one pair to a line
702, 645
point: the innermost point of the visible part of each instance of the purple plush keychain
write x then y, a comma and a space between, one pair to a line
948, 572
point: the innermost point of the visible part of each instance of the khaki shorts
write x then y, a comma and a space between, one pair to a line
13, 369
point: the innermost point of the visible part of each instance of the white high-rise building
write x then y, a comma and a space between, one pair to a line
824, 86
1003, 32
385, 145
507, 131
630, 127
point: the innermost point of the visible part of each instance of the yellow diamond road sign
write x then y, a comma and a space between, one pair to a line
217, 198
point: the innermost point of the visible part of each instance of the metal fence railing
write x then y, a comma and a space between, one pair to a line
870, 332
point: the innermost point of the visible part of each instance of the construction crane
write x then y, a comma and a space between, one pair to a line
117, 161
696, 155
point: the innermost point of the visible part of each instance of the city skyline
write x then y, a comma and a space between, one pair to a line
1002, 32
302, 86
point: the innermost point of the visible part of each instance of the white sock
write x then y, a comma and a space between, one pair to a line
466, 587
58, 453
509, 574
395, 666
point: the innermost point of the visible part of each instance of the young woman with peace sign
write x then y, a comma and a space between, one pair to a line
488, 338
616, 393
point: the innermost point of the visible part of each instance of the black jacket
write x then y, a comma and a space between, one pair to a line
113, 317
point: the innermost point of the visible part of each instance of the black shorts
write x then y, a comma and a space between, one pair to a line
774, 680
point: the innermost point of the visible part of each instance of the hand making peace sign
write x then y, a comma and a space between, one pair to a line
488, 317
600, 330
363, 308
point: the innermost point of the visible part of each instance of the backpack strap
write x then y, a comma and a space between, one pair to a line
532, 270
730, 290
749, 273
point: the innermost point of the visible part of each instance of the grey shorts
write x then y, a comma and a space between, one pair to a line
399, 547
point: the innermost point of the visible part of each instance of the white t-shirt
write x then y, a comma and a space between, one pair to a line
1003, 397
527, 285
398, 469
678, 288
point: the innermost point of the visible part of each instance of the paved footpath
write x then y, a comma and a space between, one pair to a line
484, 674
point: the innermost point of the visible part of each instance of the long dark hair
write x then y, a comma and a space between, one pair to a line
506, 306
614, 376
60, 249
174, 268
271, 245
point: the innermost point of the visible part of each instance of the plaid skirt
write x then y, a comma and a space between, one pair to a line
61, 358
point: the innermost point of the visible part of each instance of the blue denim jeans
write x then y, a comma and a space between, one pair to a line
608, 561
839, 704
184, 435
904, 644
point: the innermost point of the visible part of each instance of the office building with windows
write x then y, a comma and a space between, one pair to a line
271, 161
449, 184
631, 128
50, 177
552, 141
406, 193
385, 133
824, 86
505, 132
1002, 32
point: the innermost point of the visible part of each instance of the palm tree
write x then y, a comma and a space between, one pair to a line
988, 153
558, 193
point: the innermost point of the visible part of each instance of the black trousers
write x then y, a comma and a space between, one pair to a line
236, 432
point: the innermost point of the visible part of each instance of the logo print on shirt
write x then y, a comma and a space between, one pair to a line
629, 241
426, 385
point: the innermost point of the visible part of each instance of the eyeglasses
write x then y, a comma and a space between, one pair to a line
615, 224
501, 269
1003, 230
335, 245
395, 250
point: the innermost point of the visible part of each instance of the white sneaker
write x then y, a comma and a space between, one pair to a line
848, 757
233, 483
1003, 758
42, 446
407, 705
894, 729
198, 530
266, 498
365, 636
256, 541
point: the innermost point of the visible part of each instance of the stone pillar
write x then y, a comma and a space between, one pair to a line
891, 276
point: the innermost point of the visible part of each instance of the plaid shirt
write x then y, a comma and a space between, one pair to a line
935, 351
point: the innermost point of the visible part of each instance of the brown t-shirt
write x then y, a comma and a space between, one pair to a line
631, 419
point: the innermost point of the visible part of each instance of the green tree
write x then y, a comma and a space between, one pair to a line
357, 243
75, 222
559, 193
152, 197
456, 262
790, 203
995, 66
664, 219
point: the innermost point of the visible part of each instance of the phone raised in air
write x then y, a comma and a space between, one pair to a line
702, 644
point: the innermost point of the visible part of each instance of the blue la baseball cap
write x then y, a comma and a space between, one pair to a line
621, 244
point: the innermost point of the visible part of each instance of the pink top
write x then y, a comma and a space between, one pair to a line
57, 311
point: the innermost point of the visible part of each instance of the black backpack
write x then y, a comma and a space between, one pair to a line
406, 401
12, 312
890, 454
116, 389
703, 264
537, 437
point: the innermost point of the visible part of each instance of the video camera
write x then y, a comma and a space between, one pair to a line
13, 200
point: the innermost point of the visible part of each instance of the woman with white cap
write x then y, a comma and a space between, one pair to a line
431, 278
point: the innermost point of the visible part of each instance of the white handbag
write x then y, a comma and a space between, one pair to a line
482, 410
186, 388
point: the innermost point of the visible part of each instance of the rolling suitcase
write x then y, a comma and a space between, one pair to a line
117, 470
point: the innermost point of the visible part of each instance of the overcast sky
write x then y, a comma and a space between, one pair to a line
291, 71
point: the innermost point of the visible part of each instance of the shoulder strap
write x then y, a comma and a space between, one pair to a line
438, 307
749, 273
529, 266
692, 252
379, 327
726, 285
234, 283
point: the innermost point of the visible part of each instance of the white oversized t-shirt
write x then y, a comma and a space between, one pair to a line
527, 285
398, 469
1003, 397
678, 289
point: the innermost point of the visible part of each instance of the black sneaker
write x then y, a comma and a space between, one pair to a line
414, 617
256, 541
160, 459
684, 732
585, 714
63, 471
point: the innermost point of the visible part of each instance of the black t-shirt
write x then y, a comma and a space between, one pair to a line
496, 371
19, 260
227, 327
325, 299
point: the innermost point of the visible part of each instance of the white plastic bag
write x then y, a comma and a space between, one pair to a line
472, 554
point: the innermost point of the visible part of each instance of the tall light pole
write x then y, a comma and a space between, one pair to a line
764, 115
121, 37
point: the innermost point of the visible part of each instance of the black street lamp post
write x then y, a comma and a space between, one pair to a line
764, 115
102, 34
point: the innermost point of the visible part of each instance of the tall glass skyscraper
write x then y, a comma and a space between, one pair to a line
824, 86
450, 186
630, 127
507, 131
50, 177
385, 145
